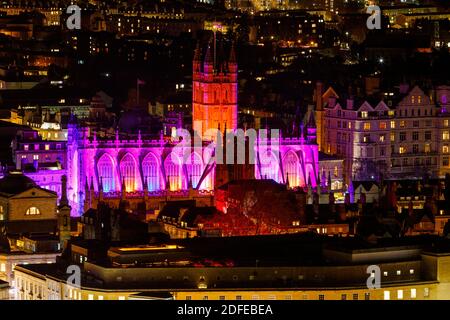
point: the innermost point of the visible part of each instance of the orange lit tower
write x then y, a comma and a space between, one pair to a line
214, 92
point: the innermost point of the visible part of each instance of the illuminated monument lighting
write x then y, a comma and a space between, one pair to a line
123, 168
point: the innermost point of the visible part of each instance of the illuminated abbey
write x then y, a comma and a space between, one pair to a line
144, 169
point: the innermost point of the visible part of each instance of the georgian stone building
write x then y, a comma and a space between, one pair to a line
402, 136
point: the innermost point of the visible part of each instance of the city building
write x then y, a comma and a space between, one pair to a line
33, 228
402, 136
335, 271
4, 290
155, 166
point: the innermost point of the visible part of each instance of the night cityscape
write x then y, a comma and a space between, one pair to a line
224, 150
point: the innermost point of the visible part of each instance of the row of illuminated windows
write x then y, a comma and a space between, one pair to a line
401, 150
401, 113
402, 124
254, 297
36, 157
53, 135
384, 125
402, 136
416, 149
46, 146
400, 294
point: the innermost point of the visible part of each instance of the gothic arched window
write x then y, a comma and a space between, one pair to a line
195, 169
291, 167
150, 170
106, 173
172, 167
128, 172
270, 167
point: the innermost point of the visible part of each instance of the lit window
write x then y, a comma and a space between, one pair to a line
392, 136
385, 273
445, 135
402, 150
100, 297
35, 157
445, 123
366, 125
90, 297
364, 114
387, 295
413, 293
426, 292
399, 272
33, 211
392, 124
121, 298
381, 137
402, 124
382, 125
2, 267
47, 147
400, 294
26, 147
445, 149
